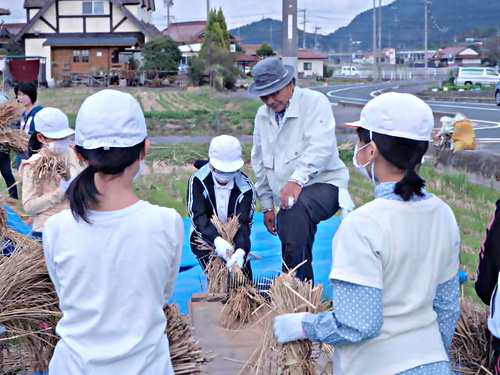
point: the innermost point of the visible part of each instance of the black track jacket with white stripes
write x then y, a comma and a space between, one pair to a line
202, 205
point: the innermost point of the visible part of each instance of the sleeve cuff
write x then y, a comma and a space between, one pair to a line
267, 205
300, 177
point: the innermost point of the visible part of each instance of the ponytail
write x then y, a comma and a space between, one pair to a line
404, 154
411, 184
82, 193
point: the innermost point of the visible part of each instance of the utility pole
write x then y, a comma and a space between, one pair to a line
304, 22
289, 33
375, 57
380, 24
426, 39
208, 10
168, 4
316, 28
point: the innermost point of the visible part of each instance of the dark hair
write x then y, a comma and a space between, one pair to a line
405, 154
34, 145
82, 193
27, 88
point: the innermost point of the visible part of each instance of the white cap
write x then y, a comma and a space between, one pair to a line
52, 123
225, 153
397, 115
110, 118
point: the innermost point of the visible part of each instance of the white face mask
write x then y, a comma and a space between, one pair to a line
362, 168
141, 170
224, 178
60, 146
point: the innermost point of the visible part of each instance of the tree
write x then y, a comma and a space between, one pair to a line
265, 50
162, 54
196, 70
216, 46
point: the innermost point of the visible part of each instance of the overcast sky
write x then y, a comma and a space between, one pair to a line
327, 14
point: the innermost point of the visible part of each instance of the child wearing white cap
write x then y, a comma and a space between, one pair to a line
113, 258
220, 188
395, 259
52, 137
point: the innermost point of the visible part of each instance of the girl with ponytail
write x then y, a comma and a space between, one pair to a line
395, 259
112, 257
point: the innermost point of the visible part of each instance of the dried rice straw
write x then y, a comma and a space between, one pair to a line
10, 136
9, 114
243, 298
186, 353
471, 344
289, 295
47, 167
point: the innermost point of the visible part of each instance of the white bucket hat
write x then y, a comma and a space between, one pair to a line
110, 118
225, 153
52, 123
397, 115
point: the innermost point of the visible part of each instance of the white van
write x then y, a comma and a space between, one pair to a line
350, 71
471, 76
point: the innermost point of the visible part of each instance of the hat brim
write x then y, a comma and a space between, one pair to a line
225, 166
256, 91
59, 134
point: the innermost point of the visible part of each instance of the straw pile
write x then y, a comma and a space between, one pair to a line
46, 168
471, 343
289, 295
28, 306
10, 136
185, 352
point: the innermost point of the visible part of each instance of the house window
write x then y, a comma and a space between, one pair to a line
85, 56
308, 66
81, 56
76, 56
93, 7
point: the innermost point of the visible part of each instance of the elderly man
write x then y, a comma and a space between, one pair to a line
296, 162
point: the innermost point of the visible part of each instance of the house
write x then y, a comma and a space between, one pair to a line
193, 32
86, 36
310, 63
462, 55
4, 12
8, 32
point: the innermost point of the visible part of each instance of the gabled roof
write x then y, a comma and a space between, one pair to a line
4, 12
148, 29
11, 28
453, 52
310, 55
251, 49
186, 32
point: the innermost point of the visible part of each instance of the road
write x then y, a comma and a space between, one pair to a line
487, 116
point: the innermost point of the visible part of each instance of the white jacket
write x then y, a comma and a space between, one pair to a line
303, 148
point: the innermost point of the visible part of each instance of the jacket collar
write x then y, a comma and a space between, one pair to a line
293, 109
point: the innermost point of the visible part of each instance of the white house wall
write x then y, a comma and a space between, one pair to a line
126, 26
317, 67
98, 25
71, 25
41, 27
35, 47
75, 8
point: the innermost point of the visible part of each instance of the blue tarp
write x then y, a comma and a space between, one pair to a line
264, 245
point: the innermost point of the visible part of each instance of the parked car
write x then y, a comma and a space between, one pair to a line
472, 76
350, 71
497, 94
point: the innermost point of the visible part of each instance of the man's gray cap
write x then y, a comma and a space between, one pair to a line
270, 75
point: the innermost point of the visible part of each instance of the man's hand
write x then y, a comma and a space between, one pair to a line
270, 222
289, 195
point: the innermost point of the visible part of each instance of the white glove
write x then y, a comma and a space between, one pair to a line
238, 258
222, 246
288, 327
64, 185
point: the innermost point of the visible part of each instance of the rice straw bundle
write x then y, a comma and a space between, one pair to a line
28, 305
47, 167
471, 343
289, 295
9, 114
186, 353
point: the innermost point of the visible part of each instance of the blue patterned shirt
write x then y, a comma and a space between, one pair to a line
358, 309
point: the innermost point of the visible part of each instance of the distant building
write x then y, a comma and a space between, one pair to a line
192, 32
459, 56
310, 63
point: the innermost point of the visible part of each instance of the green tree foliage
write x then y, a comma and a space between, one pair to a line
162, 54
265, 50
196, 70
216, 46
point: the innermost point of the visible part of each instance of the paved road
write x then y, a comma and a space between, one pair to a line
486, 115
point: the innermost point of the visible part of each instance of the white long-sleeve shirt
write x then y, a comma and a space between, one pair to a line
112, 278
302, 148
